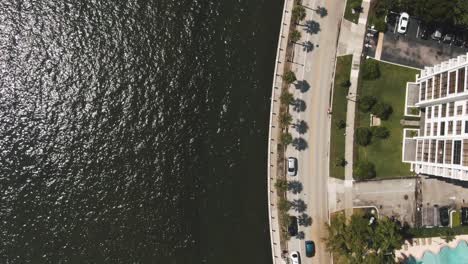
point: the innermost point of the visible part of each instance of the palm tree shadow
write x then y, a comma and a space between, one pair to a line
302, 85
299, 105
312, 27
301, 127
307, 46
299, 144
321, 11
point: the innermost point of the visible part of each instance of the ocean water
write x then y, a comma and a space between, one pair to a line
447, 255
135, 131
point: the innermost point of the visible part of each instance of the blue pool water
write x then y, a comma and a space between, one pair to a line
458, 255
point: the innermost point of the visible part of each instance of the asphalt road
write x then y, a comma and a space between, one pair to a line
316, 68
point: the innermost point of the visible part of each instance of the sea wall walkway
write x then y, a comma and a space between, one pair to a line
274, 133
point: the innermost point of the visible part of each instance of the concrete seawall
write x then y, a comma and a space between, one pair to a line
274, 132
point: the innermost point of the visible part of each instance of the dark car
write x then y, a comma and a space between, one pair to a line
310, 248
424, 33
464, 215
444, 216
292, 228
457, 41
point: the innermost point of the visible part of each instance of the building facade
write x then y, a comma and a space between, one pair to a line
439, 96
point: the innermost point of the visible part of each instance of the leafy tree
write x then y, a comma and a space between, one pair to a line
364, 170
295, 36
363, 136
287, 98
382, 110
366, 103
284, 205
380, 132
286, 138
340, 124
289, 77
285, 119
370, 70
281, 185
298, 13
345, 83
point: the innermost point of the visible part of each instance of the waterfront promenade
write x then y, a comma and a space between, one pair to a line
274, 132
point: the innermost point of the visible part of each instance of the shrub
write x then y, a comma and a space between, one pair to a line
456, 219
287, 98
340, 124
289, 77
340, 162
370, 70
363, 136
364, 170
382, 110
366, 103
380, 132
345, 84
295, 36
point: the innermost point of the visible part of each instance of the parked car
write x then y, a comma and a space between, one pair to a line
295, 257
458, 41
310, 248
444, 216
292, 166
437, 35
292, 228
403, 23
447, 39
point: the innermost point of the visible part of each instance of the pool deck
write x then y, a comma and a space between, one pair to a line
419, 246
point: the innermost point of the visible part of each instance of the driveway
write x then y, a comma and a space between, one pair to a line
392, 197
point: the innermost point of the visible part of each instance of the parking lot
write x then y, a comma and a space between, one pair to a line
411, 49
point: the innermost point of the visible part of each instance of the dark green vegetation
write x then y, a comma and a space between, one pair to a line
298, 13
384, 150
364, 170
295, 36
289, 77
359, 242
445, 232
353, 5
340, 91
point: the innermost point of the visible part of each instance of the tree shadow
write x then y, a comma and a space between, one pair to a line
299, 143
299, 105
302, 86
321, 11
304, 220
300, 235
301, 127
299, 205
295, 186
312, 27
307, 46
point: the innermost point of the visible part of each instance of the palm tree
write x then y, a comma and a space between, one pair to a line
298, 13
286, 138
295, 36
289, 77
281, 185
287, 98
285, 119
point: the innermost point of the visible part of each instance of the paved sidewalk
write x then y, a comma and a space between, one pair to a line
274, 134
356, 46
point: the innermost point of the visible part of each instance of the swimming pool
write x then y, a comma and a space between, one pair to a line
447, 255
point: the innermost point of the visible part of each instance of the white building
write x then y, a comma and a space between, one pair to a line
439, 146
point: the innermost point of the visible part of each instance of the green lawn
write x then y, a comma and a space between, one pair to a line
349, 11
337, 138
390, 88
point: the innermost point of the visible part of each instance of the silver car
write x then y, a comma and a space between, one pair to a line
292, 166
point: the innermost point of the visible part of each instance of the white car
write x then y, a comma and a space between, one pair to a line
295, 257
292, 166
403, 23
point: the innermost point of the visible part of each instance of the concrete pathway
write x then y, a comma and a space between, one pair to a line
274, 133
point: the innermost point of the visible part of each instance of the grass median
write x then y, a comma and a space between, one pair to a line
390, 88
348, 15
337, 137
